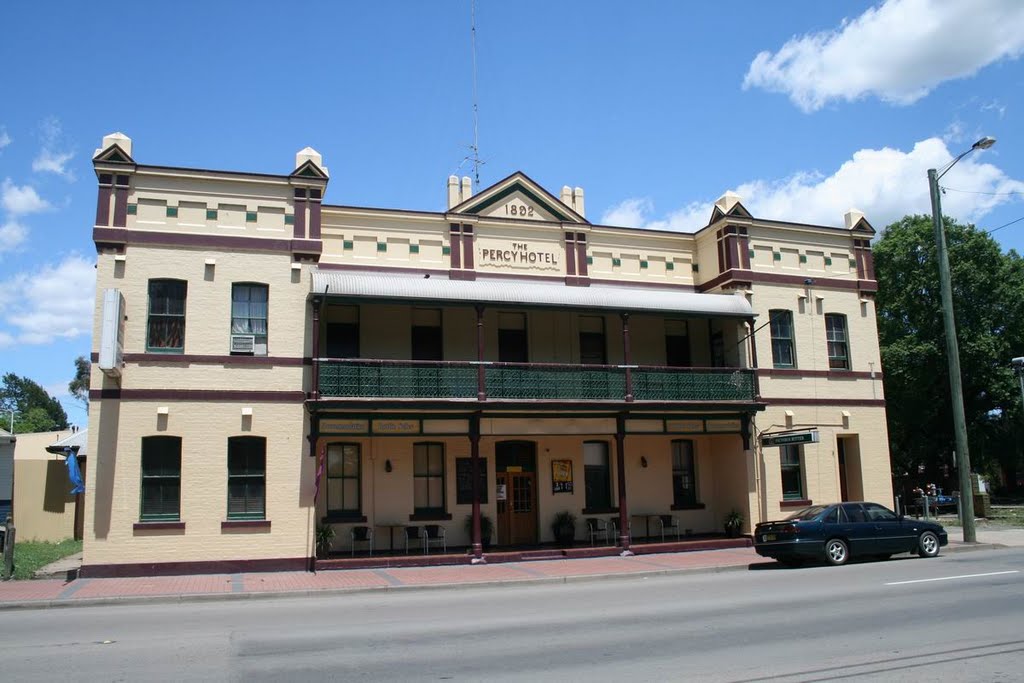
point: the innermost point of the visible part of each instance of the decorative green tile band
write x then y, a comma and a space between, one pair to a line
346, 245
696, 267
590, 260
172, 212
133, 209
751, 253
414, 248
776, 255
211, 214
250, 216
382, 246
643, 264
616, 262
289, 219
853, 263
828, 260
669, 265
446, 250
803, 258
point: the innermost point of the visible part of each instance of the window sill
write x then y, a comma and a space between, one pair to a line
692, 506
354, 518
430, 517
599, 511
794, 503
158, 526
245, 524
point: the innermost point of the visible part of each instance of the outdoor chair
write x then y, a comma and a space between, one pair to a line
597, 528
433, 533
361, 534
668, 522
412, 533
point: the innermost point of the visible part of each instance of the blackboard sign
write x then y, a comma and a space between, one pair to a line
464, 481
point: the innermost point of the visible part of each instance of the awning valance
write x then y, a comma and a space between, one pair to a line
438, 288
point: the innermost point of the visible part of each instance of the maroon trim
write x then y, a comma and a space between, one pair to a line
455, 246
110, 571
343, 519
158, 526
831, 374
315, 333
752, 276
445, 517
721, 253
581, 253
864, 402
467, 247
753, 357
120, 207
299, 228
210, 360
314, 217
570, 253
245, 524
103, 205
794, 503
208, 241
620, 461
198, 395
481, 383
461, 274
744, 242
627, 357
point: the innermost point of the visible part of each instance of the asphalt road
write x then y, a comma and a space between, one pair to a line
956, 617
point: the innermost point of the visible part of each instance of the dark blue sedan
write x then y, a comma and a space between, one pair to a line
839, 531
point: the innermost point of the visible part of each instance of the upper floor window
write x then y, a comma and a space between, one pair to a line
782, 339
249, 318
684, 474
342, 332
513, 344
247, 476
427, 340
161, 479
677, 344
592, 343
428, 478
838, 344
166, 325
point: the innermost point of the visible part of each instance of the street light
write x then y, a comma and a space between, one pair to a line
952, 349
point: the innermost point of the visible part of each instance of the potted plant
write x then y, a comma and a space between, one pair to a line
564, 528
324, 536
733, 522
486, 529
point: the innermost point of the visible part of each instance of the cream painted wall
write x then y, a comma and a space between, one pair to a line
44, 509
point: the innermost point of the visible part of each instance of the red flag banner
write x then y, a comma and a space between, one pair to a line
321, 462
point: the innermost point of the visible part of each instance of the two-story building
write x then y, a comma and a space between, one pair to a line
266, 364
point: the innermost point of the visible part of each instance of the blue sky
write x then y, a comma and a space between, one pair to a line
804, 108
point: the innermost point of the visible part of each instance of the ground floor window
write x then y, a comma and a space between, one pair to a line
428, 478
161, 479
597, 475
684, 474
343, 480
247, 465
792, 473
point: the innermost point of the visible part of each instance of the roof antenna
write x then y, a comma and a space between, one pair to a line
476, 119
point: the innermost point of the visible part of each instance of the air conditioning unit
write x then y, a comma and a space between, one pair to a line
243, 343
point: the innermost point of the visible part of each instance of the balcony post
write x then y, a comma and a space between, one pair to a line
620, 461
474, 452
481, 387
315, 393
627, 357
753, 357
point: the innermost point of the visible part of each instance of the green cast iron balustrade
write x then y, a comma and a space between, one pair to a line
667, 384
397, 380
571, 382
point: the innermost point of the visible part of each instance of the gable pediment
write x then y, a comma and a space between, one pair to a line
114, 154
309, 170
863, 227
518, 197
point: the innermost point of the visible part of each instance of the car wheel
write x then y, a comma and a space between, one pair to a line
836, 551
928, 544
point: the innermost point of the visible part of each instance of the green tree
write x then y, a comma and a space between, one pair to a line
988, 300
34, 409
79, 386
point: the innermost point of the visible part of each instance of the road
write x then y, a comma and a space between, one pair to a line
957, 617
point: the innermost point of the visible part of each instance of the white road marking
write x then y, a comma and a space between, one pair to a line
951, 578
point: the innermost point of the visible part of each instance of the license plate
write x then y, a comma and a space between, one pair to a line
768, 537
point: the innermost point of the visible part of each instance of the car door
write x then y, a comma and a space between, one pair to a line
859, 532
890, 534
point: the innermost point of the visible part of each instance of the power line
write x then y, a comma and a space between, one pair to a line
1006, 225
993, 194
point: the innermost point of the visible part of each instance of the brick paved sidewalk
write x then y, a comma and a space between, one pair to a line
55, 592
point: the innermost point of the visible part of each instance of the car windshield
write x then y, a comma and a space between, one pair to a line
807, 514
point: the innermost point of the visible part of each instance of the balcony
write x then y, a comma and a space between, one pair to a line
530, 381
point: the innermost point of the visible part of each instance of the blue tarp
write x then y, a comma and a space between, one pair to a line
74, 474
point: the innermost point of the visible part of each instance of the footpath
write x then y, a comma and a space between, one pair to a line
45, 593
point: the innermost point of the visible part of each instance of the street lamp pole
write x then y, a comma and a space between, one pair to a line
952, 348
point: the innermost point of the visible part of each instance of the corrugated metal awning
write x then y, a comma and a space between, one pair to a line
438, 288
78, 442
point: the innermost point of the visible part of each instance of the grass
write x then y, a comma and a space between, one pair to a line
1002, 516
32, 555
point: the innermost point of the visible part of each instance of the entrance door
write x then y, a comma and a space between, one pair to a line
517, 480
844, 493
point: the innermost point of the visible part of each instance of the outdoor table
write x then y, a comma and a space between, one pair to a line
391, 526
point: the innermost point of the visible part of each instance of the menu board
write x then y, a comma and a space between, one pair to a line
464, 481
561, 476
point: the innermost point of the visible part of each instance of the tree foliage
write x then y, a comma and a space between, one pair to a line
79, 386
34, 409
988, 301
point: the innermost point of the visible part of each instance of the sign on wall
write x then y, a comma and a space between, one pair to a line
790, 438
561, 476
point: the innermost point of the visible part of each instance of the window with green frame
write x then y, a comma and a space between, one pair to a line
428, 478
838, 342
165, 329
249, 313
161, 479
247, 477
792, 473
782, 338
344, 476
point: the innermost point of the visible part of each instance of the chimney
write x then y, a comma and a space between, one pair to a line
853, 216
577, 201
453, 191
467, 188
119, 139
566, 195
727, 201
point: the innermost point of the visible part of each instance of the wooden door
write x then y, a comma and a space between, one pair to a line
517, 514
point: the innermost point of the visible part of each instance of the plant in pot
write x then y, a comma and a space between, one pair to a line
564, 528
486, 529
324, 536
733, 522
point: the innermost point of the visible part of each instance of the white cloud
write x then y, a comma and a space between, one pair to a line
12, 235
55, 301
885, 184
53, 158
898, 51
5, 139
19, 200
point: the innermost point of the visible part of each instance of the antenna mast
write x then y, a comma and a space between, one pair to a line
476, 122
